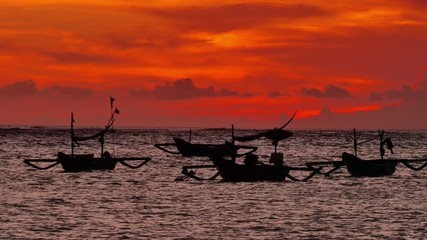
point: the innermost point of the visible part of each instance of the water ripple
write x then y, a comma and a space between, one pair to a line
148, 203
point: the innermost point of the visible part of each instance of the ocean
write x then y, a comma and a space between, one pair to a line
148, 203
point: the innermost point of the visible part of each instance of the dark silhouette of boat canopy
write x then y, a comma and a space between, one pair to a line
276, 134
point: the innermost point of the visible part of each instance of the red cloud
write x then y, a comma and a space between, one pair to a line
19, 89
182, 89
233, 16
29, 88
81, 58
330, 91
405, 92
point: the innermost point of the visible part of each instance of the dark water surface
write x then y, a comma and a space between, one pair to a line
148, 204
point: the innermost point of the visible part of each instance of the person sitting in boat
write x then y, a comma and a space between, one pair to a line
276, 158
251, 159
106, 155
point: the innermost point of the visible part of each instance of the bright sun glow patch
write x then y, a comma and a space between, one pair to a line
226, 40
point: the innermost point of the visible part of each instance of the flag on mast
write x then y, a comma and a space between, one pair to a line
112, 101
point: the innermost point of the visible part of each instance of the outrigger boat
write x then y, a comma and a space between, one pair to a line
188, 149
253, 170
88, 162
357, 167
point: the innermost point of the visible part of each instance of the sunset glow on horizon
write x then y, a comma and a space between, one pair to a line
215, 63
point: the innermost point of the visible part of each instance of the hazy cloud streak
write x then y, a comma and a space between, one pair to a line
29, 88
182, 89
330, 91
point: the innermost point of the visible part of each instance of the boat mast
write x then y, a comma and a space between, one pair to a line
233, 156
275, 146
102, 141
382, 151
232, 134
112, 126
72, 134
355, 142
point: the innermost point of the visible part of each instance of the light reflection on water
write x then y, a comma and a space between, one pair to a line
148, 203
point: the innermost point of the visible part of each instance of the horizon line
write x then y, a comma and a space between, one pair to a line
26, 126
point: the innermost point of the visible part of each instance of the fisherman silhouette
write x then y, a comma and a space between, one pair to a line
251, 159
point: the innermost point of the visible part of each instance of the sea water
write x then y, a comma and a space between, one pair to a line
148, 203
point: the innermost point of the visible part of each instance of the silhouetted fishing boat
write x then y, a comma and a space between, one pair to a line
368, 168
358, 167
88, 162
252, 169
188, 149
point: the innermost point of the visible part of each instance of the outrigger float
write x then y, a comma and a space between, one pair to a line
252, 170
357, 167
88, 162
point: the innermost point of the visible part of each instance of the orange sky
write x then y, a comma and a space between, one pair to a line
215, 63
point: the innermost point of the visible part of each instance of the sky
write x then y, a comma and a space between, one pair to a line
340, 64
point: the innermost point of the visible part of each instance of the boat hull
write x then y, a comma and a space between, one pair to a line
85, 162
368, 168
188, 149
233, 172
